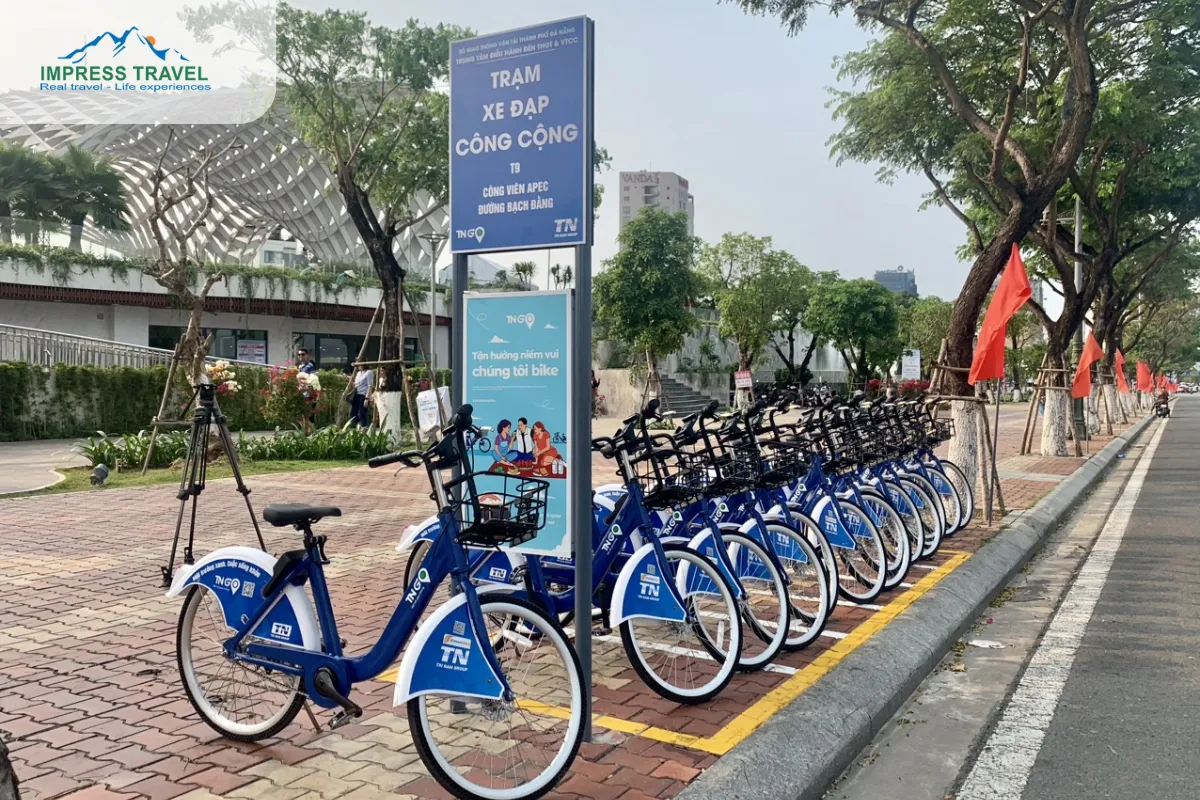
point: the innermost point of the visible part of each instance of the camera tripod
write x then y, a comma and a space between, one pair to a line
206, 416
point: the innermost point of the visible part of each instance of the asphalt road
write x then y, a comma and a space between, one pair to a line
1127, 721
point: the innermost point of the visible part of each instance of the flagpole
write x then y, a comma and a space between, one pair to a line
995, 439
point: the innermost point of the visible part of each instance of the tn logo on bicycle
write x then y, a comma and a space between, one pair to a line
456, 650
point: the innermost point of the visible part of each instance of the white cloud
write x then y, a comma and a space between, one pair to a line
498, 340
550, 327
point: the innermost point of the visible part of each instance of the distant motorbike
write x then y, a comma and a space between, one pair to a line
1162, 408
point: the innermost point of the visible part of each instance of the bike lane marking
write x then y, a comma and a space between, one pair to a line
1007, 759
774, 700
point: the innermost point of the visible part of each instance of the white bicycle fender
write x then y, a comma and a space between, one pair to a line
646, 596
446, 657
422, 532
236, 577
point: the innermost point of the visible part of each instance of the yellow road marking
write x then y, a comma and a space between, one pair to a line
775, 700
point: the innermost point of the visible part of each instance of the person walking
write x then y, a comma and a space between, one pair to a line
307, 366
364, 389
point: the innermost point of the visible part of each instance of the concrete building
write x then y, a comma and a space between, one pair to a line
665, 190
898, 280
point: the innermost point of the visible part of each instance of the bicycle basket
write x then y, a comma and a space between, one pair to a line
668, 477
734, 468
781, 463
502, 509
940, 430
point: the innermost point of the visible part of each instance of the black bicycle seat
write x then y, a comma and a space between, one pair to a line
282, 514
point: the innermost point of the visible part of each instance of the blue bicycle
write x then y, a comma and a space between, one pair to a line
493, 689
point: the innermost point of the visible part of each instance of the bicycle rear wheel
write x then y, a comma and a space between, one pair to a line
240, 701
909, 516
919, 494
508, 750
692, 661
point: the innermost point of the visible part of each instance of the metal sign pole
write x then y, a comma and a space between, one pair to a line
458, 373
581, 418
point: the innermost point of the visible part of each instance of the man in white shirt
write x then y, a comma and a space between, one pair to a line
521, 447
360, 403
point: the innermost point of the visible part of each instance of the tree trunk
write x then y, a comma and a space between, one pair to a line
76, 242
1057, 417
1112, 407
808, 354
964, 447
6, 223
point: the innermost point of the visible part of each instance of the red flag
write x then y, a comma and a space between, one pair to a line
1145, 382
1011, 294
1119, 363
1082, 385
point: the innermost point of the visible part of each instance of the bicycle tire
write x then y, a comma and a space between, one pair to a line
799, 571
949, 502
812, 533
966, 492
871, 555
893, 532
761, 628
727, 659
440, 767
909, 516
198, 698
929, 510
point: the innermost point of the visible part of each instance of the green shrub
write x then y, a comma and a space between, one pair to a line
67, 401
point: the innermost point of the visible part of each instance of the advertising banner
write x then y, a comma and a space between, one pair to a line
516, 375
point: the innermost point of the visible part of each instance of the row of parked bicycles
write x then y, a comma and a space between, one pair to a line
724, 543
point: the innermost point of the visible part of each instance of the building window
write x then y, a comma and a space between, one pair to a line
335, 350
243, 345
626, 210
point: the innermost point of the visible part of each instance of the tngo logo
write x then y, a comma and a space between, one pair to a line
471, 233
522, 319
232, 584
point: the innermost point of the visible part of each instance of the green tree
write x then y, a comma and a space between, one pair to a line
733, 271
524, 271
644, 294
923, 326
791, 291
859, 318
367, 101
21, 173
88, 186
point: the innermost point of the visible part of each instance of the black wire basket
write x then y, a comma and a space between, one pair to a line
939, 431
497, 509
781, 463
668, 477
733, 467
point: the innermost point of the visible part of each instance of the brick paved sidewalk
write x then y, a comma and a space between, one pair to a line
92, 706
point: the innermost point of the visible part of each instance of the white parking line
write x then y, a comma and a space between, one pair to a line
1005, 763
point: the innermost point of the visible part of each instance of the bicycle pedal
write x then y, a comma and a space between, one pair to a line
601, 630
343, 717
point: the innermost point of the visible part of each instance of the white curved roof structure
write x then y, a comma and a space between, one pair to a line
268, 179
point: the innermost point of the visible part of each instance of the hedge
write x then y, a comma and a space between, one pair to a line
67, 401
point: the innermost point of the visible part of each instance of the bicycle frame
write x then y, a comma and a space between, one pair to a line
446, 558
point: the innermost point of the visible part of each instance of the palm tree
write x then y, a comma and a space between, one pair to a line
562, 275
88, 186
524, 271
21, 173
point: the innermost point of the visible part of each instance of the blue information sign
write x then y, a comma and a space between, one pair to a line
517, 368
519, 139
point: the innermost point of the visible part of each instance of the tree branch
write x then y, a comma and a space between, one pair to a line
954, 209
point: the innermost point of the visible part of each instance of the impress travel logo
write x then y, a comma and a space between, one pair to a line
131, 61
137, 62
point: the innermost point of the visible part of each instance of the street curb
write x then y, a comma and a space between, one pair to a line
801, 750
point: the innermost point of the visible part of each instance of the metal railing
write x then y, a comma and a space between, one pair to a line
46, 348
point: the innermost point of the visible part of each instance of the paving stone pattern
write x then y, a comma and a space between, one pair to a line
93, 709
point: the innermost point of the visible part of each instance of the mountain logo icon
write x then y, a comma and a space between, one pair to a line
131, 41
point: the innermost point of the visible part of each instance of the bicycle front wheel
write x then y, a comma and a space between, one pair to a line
964, 490
808, 586
895, 538
688, 662
765, 613
499, 749
864, 568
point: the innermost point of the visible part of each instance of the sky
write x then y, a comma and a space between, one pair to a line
737, 108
